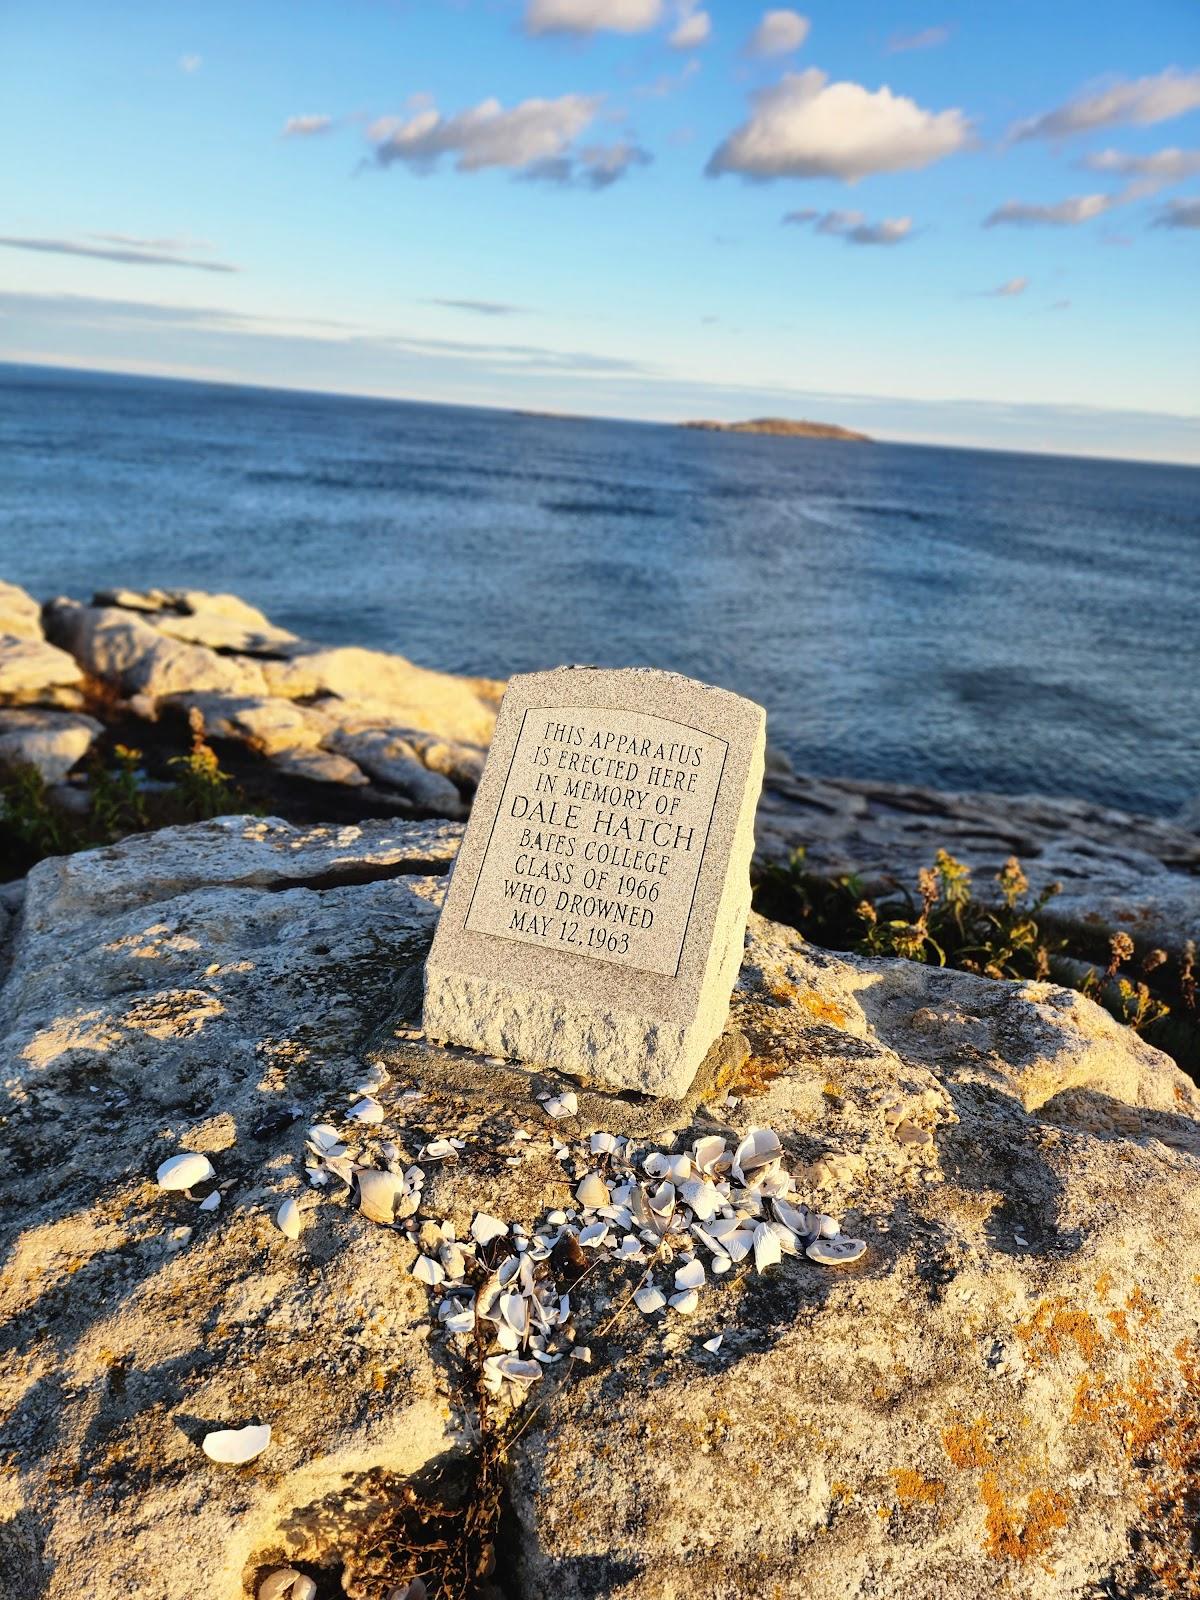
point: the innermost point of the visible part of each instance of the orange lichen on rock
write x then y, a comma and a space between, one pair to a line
1142, 1307
823, 1009
914, 1489
967, 1446
1021, 1534
1055, 1326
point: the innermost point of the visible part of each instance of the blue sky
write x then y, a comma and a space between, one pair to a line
994, 232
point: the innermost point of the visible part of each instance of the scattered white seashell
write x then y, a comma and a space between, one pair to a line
441, 1149
767, 1251
232, 1446
839, 1252
323, 1136
690, 1276
828, 1227
721, 1265
377, 1193
595, 1235
286, 1581
757, 1149
212, 1201
367, 1110
485, 1228
685, 1302
709, 1154
649, 1299
460, 1322
592, 1191
184, 1171
429, 1271
515, 1312
581, 1352
288, 1219
603, 1144
714, 1344
562, 1105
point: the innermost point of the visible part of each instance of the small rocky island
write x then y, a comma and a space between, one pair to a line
783, 428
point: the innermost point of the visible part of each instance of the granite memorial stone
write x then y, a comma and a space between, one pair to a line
595, 918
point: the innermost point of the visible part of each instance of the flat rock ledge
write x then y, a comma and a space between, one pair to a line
1001, 1397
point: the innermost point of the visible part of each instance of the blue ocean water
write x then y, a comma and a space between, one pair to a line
960, 618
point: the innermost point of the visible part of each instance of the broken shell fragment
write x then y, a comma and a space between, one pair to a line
288, 1219
485, 1228
839, 1252
367, 1110
649, 1299
211, 1201
690, 1276
767, 1249
592, 1191
377, 1193
685, 1302
184, 1171
232, 1446
285, 1583
429, 1271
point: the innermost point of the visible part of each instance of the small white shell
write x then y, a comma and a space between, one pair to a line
184, 1171
211, 1201
690, 1276
767, 1251
603, 1144
278, 1583
839, 1252
685, 1302
232, 1446
595, 1235
377, 1193
367, 1110
649, 1299
323, 1136
429, 1271
592, 1191
304, 1588
708, 1153
829, 1227
714, 1344
289, 1220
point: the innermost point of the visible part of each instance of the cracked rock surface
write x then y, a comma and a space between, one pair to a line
1001, 1397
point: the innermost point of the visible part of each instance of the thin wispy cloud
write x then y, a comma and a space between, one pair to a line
128, 254
592, 16
853, 227
778, 34
806, 127
1123, 103
926, 39
1147, 174
190, 64
1060, 305
1067, 213
1179, 214
480, 308
123, 315
592, 167
1009, 290
693, 29
306, 126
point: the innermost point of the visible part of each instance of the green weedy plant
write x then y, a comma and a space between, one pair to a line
1131, 1001
118, 804
28, 815
202, 789
952, 928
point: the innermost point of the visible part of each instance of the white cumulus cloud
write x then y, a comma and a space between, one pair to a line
1139, 102
693, 30
1067, 213
806, 127
305, 127
778, 34
486, 135
854, 228
592, 16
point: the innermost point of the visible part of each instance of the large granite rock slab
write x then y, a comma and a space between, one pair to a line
595, 920
999, 1398
20, 613
52, 742
119, 647
29, 667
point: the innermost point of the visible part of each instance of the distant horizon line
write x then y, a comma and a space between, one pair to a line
137, 375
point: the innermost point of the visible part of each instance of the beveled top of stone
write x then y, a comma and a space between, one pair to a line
596, 857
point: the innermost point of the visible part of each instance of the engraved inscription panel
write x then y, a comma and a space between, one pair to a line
599, 835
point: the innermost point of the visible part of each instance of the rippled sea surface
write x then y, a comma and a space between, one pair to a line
959, 618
